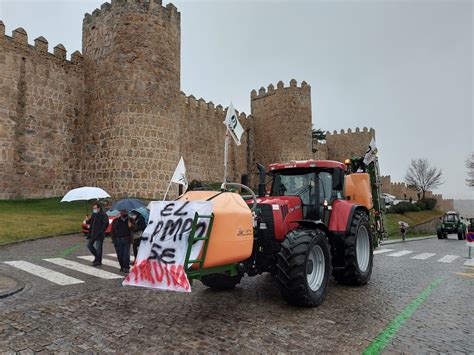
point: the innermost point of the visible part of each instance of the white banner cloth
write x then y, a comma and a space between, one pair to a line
162, 251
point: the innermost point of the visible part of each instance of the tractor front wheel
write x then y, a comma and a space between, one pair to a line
358, 253
303, 267
221, 282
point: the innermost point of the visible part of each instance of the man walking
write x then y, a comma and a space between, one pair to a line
121, 237
98, 223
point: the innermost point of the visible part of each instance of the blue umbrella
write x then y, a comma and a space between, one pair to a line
144, 212
128, 204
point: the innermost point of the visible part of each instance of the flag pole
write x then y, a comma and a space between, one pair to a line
167, 189
226, 148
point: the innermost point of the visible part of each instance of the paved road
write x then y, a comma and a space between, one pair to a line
419, 300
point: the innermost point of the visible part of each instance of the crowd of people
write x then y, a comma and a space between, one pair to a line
126, 232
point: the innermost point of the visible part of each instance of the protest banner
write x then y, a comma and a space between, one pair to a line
162, 252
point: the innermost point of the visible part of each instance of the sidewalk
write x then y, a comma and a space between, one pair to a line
414, 239
9, 286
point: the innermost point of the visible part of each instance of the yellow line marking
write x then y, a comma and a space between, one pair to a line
465, 274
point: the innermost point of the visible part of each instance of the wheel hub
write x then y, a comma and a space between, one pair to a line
315, 268
363, 248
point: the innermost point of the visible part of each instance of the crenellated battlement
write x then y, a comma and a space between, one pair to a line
350, 131
19, 37
200, 104
167, 13
270, 90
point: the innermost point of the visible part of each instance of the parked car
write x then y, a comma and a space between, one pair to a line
389, 199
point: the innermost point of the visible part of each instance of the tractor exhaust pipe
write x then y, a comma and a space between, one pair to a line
261, 180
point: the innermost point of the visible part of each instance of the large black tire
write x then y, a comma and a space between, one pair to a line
221, 282
440, 235
461, 235
301, 282
353, 271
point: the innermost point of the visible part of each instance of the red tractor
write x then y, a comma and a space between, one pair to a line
315, 219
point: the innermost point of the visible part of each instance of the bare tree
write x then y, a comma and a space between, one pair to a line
470, 170
423, 177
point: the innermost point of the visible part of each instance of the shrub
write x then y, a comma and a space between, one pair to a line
426, 204
403, 207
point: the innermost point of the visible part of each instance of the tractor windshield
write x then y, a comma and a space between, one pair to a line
450, 218
313, 187
293, 185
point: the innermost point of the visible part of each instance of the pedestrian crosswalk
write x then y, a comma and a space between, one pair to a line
47, 274
400, 253
446, 259
423, 256
86, 269
62, 278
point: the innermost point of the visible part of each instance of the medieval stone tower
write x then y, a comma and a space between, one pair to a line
131, 55
282, 122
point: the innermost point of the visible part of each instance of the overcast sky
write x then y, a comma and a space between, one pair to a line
402, 67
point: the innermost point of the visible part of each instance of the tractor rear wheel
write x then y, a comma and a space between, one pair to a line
461, 235
221, 282
303, 267
358, 253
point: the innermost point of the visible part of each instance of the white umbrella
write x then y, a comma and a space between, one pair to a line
85, 194
403, 223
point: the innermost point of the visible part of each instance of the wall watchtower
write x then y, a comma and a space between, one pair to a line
131, 55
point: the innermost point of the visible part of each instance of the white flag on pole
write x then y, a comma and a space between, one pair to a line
179, 176
371, 152
233, 124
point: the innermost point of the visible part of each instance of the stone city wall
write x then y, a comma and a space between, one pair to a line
41, 112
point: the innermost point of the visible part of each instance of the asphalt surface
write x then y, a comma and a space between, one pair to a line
410, 306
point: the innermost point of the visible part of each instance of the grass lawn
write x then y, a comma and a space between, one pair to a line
25, 219
412, 218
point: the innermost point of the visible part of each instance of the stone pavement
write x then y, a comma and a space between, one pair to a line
101, 315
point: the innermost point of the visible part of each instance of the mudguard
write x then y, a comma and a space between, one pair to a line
341, 215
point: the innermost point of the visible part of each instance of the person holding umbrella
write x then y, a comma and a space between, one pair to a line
121, 237
95, 238
138, 226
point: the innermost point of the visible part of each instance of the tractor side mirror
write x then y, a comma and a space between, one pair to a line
338, 180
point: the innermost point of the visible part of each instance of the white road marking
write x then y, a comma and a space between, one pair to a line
423, 256
47, 274
104, 261
90, 270
400, 253
380, 251
469, 262
448, 258
113, 255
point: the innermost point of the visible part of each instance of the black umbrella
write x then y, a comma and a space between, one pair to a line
128, 204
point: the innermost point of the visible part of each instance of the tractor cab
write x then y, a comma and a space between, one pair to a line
316, 182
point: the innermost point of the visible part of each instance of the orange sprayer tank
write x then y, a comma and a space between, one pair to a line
357, 189
232, 231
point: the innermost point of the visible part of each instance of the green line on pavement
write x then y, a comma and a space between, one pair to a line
70, 249
379, 343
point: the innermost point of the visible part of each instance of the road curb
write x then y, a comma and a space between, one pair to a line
388, 242
19, 286
36, 238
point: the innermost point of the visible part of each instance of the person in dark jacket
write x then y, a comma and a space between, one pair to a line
98, 223
121, 237
138, 226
